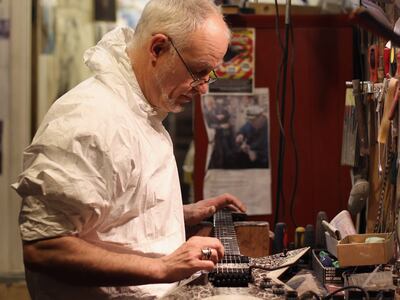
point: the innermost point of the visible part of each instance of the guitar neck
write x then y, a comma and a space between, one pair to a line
224, 230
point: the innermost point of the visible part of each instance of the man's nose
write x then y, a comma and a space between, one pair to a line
202, 88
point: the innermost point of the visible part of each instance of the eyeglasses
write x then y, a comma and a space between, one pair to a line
212, 76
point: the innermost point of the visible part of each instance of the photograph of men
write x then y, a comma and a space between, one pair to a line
237, 127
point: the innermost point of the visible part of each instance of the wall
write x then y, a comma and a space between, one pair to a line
15, 113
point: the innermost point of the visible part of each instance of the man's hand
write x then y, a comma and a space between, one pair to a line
77, 262
188, 258
197, 212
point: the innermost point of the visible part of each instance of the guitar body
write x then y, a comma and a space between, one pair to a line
201, 288
232, 277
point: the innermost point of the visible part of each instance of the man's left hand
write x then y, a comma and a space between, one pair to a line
203, 209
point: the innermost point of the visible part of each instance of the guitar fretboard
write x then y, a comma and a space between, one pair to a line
224, 230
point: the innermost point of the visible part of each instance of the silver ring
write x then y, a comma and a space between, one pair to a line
206, 254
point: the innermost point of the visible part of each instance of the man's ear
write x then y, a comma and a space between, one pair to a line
159, 44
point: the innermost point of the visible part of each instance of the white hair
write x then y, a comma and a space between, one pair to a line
174, 18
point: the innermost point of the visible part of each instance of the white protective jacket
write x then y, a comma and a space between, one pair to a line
101, 167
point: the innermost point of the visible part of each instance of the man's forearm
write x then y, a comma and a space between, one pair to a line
78, 262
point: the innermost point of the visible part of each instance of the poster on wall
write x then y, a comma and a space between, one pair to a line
129, 12
236, 73
238, 160
64, 31
48, 26
75, 34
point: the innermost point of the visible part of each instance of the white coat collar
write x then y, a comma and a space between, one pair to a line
109, 59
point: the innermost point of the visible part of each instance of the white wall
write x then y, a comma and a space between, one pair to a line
15, 111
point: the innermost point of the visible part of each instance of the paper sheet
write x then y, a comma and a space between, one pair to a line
343, 222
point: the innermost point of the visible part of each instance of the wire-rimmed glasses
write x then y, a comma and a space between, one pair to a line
212, 76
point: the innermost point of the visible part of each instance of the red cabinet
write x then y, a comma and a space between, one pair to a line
323, 62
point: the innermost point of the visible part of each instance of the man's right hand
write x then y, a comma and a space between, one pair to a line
188, 258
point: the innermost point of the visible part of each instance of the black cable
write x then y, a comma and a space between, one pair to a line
283, 107
277, 99
280, 197
349, 287
309, 295
278, 81
292, 131
277, 29
330, 295
280, 106
281, 151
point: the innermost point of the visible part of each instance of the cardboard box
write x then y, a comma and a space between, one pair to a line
353, 251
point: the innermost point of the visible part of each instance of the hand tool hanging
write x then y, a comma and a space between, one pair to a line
349, 140
360, 189
375, 157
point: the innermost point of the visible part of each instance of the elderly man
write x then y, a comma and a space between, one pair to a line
102, 215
